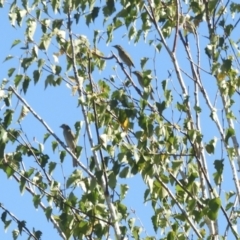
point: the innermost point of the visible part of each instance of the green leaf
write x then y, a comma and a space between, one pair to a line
41, 63
58, 70
22, 184
25, 84
161, 107
9, 171
48, 212
40, 147
109, 8
23, 113
219, 166
197, 109
29, 173
229, 133
44, 160
180, 216
214, 206
46, 136
77, 16
74, 179
230, 205
126, 172
136, 233
143, 61
78, 151
45, 42
49, 80
26, 62
85, 227
7, 119
21, 225
37, 234
171, 236
7, 101
54, 145
55, 5
176, 165
15, 234
62, 155
132, 32
35, 52
11, 71
17, 79
31, 27
3, 216
7, 224
210, 147
131, 222
94, 13
226, 66
155, 221
229, 195
209, 50
52, 166
112, 181
228, 29
36, 200
57, 24
8, 58
88, 19
4, 139
123, 190
122, 209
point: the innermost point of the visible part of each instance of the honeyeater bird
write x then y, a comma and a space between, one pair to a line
140, 78
124, 56
70, 140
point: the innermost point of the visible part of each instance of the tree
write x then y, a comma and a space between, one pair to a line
176, 131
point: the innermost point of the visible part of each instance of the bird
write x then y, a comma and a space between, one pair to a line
70, 140
124, 56
140, 77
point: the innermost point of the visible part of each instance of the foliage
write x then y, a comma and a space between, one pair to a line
182, 144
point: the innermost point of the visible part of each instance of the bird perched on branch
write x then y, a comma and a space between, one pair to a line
140, 78
124, 56
70, 140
